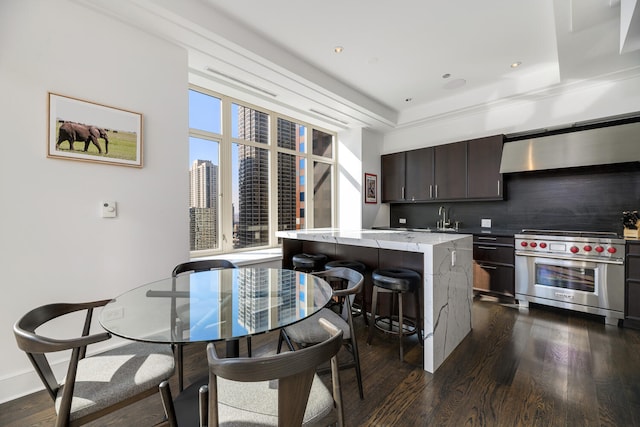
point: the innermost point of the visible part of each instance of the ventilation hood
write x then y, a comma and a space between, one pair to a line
595, 146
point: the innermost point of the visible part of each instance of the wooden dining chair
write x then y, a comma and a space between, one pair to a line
94, 385
195, 266
308, 332
275, 390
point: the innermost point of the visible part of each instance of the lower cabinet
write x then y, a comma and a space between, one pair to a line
493, 265
632, 286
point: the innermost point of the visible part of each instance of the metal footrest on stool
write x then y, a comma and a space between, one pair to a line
389, 325
396, 282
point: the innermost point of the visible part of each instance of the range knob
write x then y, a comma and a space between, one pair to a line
523, 244
533, 244
611, 250
543, 245
587, 248
574, 249
599, 249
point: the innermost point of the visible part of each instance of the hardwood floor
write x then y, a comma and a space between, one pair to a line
542, 367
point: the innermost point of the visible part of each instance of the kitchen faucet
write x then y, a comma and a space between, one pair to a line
443, 222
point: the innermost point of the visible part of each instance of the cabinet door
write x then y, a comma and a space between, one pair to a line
483, 168
393, 177
632, 284
419, 174
497, 279
450, 173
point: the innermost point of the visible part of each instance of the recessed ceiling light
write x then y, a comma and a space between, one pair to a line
338, 49
516, 64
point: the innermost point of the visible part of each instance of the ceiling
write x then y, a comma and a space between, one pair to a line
401, 62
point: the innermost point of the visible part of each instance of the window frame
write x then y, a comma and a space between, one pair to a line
225, 178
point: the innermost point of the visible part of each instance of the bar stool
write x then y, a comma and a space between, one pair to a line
309, 262
357, 307
397, 281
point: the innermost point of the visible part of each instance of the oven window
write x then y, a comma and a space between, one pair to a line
578, 278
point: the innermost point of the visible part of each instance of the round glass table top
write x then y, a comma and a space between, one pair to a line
215, 305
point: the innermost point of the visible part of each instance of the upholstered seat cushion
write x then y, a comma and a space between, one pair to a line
117, 374
354, 265
309, 330
251, 404
309, 261
396, 279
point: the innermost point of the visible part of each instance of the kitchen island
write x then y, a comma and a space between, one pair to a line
444, 260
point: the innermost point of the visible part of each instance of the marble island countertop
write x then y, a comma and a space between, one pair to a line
404, 240
447, 278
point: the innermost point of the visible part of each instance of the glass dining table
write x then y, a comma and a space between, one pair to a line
215, 305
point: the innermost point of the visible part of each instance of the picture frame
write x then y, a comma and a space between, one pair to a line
370, 188
90, 132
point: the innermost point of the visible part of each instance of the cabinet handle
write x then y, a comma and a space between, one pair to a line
431, 191
487, 238
488, 267
491, 248
436, 191
498, 187
402, 192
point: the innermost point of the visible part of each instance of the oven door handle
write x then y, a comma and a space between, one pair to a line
570, 258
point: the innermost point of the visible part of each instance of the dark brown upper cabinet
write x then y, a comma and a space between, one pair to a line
408, 176
450, 171
483, 168
419, 175
392, 177
457, 171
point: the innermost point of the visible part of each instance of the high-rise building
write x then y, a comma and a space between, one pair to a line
203, 205
290, 176
253, 179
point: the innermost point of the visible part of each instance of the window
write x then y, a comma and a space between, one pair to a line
204, 178
249, 172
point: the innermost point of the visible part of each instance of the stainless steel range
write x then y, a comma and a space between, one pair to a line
581, 271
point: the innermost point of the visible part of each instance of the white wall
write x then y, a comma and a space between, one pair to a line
373, 214
350, 178
55, 247
562, 106
359, 153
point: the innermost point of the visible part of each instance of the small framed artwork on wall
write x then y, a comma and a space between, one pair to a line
85, 131
370, 188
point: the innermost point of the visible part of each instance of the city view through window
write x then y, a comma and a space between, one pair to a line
252, 154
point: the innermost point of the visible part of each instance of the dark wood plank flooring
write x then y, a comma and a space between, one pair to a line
542, 367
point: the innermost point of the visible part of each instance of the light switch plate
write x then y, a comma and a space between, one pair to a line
109, 209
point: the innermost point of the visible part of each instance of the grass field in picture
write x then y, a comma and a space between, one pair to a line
122, 145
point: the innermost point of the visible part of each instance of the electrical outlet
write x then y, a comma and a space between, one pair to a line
485, 223
402, 220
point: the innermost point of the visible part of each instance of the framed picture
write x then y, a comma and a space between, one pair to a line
85, 131
370, 188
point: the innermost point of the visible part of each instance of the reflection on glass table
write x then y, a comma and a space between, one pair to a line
215, 305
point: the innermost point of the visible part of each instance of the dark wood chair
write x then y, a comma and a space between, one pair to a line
195, 266
309, 332
276, 390
94, 385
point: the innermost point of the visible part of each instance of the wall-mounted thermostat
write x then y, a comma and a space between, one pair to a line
109, 209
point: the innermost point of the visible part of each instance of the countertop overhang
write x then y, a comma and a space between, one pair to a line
388, 239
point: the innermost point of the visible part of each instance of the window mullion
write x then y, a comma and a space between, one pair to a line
226, 198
